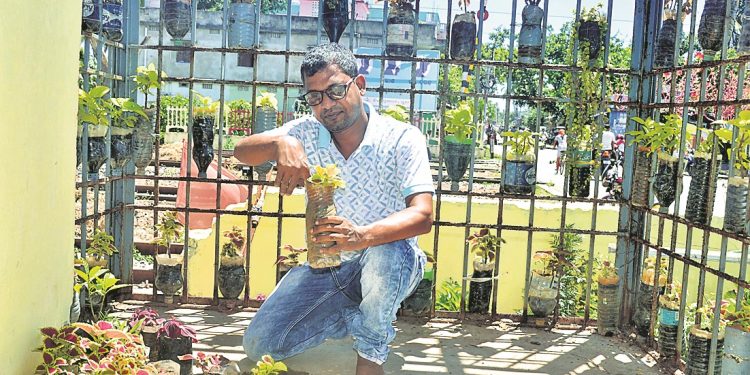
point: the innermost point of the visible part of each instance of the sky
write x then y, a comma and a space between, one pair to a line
561, 11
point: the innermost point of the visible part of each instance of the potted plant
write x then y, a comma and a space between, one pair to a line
463, 34
530, 37
241, 27
459, 125
320, 187
485, 247
98, 283
519, 169
335, 18
208, 364
146, 79
669, 312
100, 249
231, 268
699, 340
700, 200
664, 139
265, 120
664, 54
177, 17
204, 114
400, 29
543, 285
169, 267
176, 339
267, 366
420, 302
642, 316
608, 307
735, 214
125, 114
61, 351
286, 262
147, 321
93, 111
591, 31
713, 26
737, 339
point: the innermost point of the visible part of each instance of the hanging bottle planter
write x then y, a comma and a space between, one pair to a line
320, 189
401, 16
231, 267
265, 120
702, 191
735, 216
241, 29
177, 17
143, 141
743, 46
699, 352
463, 36
711, 27
459, 124
121, 147
203, 142
90, 16
669, 306
530, 37
641, 176
642, 315
519, 174
590, 38
457, 158
665, 42
608, 305
542, 295
112, 20
665, 179
580, 172
420, 302
335, 18
485, 247
168, 278
97, 152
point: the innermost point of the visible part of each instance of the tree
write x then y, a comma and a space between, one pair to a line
267, 7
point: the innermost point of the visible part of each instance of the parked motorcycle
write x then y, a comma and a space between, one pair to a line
612, 175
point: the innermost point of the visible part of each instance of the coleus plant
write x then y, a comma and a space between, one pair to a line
207, 363
485, 245
145, 317
175, 329
327, 177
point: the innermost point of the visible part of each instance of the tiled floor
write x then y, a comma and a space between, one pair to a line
437, 346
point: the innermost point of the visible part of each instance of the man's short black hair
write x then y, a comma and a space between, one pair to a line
324, 55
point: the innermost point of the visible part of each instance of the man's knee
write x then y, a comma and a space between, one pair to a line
257, 344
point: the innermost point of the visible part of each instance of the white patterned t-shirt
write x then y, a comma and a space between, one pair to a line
389, 165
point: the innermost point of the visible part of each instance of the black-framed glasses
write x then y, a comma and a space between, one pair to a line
336, 91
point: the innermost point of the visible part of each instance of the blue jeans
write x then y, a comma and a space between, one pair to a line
358, 298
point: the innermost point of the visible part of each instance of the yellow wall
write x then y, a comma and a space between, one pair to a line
38, 76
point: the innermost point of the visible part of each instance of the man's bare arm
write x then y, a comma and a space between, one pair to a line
289, 154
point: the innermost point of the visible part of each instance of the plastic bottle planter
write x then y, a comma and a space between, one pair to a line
591, 32
97, 150
420, 302
697, 208
480, 289
112, 20
519, 177
400, 30
530, 37
665, 180
642, 316
168, 275
463, 36
668, 323
579, 181
608, 309
170, 349
265, 119
457, 158
711, 28
665, 44
75, 307
319, 205
737, 351
143, 142
542, 295
231, 277
121, 147
203, 143
735, 218
335, 18
177, 17
699, 344
90, 16
641, 176
241, 30
743, 47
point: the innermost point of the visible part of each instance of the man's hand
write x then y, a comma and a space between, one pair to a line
291, 165
344, 235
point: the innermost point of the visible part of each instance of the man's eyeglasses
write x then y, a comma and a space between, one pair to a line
336, 91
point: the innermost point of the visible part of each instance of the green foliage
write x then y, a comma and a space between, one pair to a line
485, 245
521, 144
204, 106
292, 258
267, 366
102, 244
397, 112
449, 296
147, 79
92, 107
707, 312
98, 282
267, 100
741, 143
233, 247
706, 147
169, 230
138, 256
459, 123
738, 315
328, 176
266, 7
657, 136
124, 112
